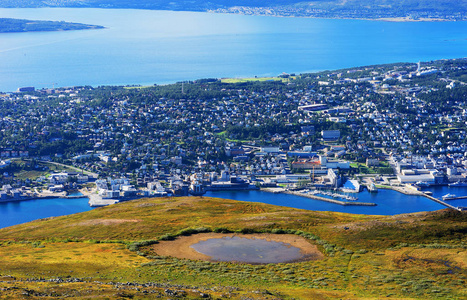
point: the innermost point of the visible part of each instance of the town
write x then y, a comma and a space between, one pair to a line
400, 126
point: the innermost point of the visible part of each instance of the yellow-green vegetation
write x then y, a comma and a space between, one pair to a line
107, 253
239, 80
30, 174
26, 169
362, 168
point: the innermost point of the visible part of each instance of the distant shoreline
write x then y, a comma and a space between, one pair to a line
12, 25
388, 19
225, 11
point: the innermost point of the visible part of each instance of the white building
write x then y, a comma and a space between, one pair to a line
268, 149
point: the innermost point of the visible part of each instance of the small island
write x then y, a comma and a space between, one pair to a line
20, 25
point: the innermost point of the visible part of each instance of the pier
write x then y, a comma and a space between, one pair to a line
408, 190
456, 198
74, 197
344, 203
443, 202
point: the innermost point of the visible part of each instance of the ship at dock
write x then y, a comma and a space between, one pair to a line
422, 184
458, 184
228, 183
449, 197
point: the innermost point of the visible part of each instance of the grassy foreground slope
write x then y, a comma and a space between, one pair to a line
100, 253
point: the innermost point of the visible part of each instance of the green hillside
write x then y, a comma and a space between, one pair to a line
107, 252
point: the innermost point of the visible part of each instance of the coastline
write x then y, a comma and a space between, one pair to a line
385, 19
267, 13
49, 195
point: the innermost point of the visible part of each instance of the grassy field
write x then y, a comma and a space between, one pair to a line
23, 171
107, 253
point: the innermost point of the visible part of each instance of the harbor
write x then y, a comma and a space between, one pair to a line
346, 200
397, 200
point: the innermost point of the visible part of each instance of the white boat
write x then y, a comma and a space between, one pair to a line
449, 197
458, 183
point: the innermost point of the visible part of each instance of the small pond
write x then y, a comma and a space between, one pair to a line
248, 250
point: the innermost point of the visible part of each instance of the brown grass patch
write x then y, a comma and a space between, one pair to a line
106, 222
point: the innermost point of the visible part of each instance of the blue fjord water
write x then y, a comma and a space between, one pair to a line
388, 202
17, 212
147, 47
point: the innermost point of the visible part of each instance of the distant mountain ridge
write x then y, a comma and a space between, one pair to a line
411, 9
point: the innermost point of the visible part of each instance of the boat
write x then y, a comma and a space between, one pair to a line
337, 195
422, 184
449, 197
233, 183
458, 184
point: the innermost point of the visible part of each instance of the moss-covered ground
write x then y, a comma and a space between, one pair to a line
106, 253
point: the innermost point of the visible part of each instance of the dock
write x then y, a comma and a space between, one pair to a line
75, 197
441, 202
344, 203
456, 198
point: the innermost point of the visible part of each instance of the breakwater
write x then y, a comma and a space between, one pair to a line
414, 192
345, 203
442, 202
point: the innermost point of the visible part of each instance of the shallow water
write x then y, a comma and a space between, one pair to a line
247, 250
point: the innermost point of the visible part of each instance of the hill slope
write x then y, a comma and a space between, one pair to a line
100, 253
